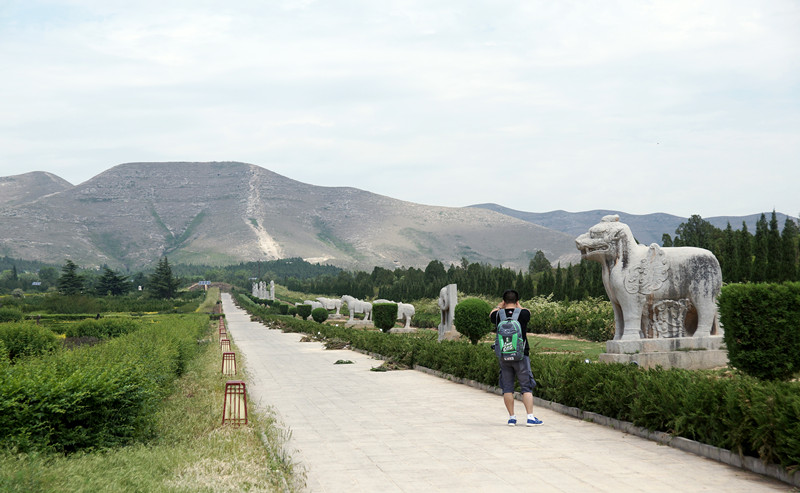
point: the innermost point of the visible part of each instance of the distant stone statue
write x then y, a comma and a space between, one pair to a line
314, 304
272, 290
357, 306
655, 292
331, 304
404, 311
448, 299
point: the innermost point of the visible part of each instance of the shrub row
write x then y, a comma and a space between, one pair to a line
102, 328
736, 412
95, 397
591, 319
762, 328
26, 339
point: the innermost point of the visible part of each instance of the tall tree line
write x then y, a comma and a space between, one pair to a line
408, 284
771, 254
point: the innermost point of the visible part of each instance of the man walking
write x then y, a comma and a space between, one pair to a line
514, 365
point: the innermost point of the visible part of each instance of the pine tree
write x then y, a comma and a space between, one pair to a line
745, 243
760, 250
70, 283
774, 250
789, 251
666, 240
729, 257
111, 283
162, 284
539, 263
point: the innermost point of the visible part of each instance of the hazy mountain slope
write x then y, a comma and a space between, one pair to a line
647, 228
28, 187
220, 213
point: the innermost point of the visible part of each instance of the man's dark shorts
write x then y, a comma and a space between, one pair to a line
521, 370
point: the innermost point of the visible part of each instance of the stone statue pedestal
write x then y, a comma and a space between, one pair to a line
691, 353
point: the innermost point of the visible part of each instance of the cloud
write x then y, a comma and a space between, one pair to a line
640, 106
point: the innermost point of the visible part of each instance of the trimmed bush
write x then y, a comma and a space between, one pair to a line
762, 328
384, 315
319, 315
102, 328
27, 339
283, 308
472, 319
8, 314
292, 311
304, 311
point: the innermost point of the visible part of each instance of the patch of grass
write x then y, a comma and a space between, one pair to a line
191, 450
587, 349
343, 362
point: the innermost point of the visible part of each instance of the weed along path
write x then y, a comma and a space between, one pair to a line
358, 430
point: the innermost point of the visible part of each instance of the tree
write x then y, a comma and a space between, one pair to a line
162, 284
666, 240
745, 242
760, 250
70, 283
729, 258
539, 263
789, 250
111, 283
696, 232
774, 250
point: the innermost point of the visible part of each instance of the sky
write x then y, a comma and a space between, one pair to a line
682, 107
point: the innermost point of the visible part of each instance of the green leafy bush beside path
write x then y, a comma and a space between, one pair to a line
95, 397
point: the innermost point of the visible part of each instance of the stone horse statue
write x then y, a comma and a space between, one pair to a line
358, 306
672, 290
404, 310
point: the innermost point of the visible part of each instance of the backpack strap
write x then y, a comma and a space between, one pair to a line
501, 315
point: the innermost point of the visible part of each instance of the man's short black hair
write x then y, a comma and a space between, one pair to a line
510, 296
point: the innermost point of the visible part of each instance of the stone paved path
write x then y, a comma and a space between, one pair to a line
405, 431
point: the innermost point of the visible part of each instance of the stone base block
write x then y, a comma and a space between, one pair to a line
691, 353
690, 360
665, 345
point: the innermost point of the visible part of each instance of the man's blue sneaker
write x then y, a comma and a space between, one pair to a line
534, 422
512, 421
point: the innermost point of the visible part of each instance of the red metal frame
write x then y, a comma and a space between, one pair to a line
230, 359
235, 403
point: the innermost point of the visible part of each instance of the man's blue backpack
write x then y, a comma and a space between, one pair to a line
510, 343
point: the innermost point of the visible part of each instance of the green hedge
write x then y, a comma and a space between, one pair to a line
27, 339
736, 412
99, 396
10, 314
591, 319
384, 315
762, 328
102, 328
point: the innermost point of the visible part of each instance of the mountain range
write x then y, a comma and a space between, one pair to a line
223, 213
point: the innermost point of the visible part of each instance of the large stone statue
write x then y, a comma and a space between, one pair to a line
448, 299
404, 310
655, 292
272, 290
314, 304
357, 306
331, 304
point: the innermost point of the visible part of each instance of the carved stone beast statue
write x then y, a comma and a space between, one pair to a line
648, 285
